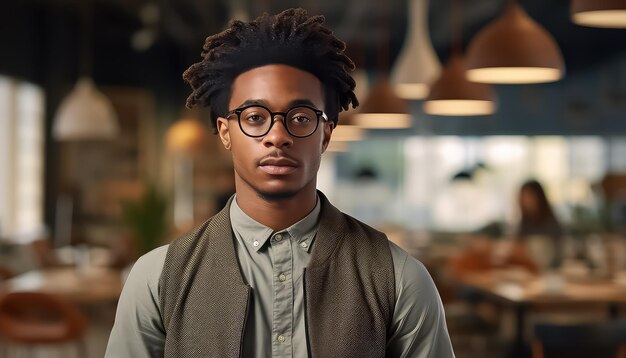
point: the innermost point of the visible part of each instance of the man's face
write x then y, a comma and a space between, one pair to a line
276, 165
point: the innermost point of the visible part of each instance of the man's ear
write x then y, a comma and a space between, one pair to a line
222, 130
328, 131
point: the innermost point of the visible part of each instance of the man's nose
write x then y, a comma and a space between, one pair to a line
278, 136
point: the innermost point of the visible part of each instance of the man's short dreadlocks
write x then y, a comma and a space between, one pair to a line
291, 38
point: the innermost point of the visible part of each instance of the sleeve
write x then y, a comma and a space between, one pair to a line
138, 331
418, 326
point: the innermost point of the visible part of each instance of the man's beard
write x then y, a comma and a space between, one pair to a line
271, 196
275, 196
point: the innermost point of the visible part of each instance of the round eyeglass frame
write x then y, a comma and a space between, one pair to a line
320, 115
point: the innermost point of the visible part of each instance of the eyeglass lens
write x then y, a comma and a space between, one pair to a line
300, 121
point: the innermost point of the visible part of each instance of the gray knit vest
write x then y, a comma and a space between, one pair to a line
349, 290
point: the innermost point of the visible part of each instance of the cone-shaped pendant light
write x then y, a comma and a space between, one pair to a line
383, 109
453, 95
599, 13
417, 65
346, 130
514, 49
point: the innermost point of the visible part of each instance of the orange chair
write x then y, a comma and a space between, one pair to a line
34, 318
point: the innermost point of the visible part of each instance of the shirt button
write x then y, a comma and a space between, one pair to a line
282, 277
278, 237
304, 244
255, 243
281, 338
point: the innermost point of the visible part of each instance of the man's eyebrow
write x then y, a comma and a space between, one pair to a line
295, 102
302, 102
252, 102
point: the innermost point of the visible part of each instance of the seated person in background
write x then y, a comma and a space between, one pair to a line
538, 220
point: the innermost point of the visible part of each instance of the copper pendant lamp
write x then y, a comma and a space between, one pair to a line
452, 94
514, 49
382, 108
599, 13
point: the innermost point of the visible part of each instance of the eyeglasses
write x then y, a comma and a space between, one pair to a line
256, 121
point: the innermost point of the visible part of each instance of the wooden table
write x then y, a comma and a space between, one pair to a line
526, 292
91, 285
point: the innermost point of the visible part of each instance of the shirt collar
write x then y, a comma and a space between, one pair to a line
256, 234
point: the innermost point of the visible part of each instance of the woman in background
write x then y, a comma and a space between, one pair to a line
538, 220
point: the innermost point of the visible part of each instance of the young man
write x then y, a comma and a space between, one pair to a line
279, 272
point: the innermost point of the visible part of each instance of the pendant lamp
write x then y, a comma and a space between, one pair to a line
599, 13
346, 130
347, 133
382, 108
514, 49
186, 137
417, 65
85, 113
452, 94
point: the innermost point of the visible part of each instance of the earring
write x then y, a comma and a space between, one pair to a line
227, 146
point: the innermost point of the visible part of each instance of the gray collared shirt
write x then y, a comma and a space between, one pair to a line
272, 263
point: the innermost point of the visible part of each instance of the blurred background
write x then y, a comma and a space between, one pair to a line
490, 144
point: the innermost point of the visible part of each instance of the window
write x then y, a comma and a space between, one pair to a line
21, 160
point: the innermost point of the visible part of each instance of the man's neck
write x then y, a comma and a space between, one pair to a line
276, 214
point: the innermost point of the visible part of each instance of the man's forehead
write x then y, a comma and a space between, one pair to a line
276, 85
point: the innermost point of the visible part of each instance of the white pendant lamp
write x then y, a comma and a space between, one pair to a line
417, 65
514, 49
599, 13
453, 95
85, 114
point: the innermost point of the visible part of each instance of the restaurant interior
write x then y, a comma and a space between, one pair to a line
490, 144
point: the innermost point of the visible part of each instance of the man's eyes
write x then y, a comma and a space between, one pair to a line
255, 118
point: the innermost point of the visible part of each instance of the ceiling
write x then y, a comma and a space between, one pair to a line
41, 41
182, 25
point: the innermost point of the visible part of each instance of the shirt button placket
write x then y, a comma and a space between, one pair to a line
283, 295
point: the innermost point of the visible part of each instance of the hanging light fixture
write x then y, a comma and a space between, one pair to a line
417, 65
347, 130
347, 133
514, 49
186, 136
452, 94
599, 13
85, 113
382, 108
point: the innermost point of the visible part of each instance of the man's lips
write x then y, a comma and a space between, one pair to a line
278, 165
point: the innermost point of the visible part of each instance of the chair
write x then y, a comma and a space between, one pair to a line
34, 318
579, 340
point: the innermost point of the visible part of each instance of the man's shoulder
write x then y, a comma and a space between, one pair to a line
187, 237
146, 271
